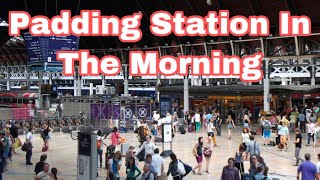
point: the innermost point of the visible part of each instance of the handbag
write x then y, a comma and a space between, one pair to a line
25, 147
207, 152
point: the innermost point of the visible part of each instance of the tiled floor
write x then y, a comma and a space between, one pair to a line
63, 155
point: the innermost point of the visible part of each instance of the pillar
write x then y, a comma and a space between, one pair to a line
75, 92
79, 86
185, 94
207, 81
266, 87
313, 79
157, 87
126, 80
50, 78
40, 97
91, 89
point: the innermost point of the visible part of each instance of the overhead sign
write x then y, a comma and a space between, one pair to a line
44, 50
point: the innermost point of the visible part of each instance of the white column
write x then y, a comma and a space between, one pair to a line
185, 94
266, 87
126, 86
313, 80
103, 83
91, 89
75, 92
50, 78
40, 97
126, 80
207, 81
79, 86
157, 85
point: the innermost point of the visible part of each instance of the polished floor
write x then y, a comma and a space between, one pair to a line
63, 155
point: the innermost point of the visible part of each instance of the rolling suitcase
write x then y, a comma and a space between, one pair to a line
277, 140
124, 148
190, 128
182, 130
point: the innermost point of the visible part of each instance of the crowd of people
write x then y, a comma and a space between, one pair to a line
299, 120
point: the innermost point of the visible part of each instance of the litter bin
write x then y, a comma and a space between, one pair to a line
116, 123
134, 125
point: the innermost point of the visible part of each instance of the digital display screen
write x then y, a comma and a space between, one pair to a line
44, 49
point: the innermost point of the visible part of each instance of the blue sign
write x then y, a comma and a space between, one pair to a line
54, 89
33, 48
43, 50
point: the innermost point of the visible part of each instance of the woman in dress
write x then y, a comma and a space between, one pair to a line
245, 137
197, 119
174, 122
240, 157
207, 152
132, 169
230, 125
197, 152
246, 122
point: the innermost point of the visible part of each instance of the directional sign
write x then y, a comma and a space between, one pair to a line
143, 112
127, 113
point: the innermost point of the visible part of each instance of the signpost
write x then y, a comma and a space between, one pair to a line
166, 137
87, 156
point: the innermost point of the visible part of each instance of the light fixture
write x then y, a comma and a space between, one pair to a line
209, 2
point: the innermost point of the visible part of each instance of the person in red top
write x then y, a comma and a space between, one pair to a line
115, 137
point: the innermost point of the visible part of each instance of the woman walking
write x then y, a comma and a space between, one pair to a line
246, 122
115, 138
197, 119
207, 152
311, 129
230, 125
132, 169
173, 168
240, 157
245, 137
54, 172
46, 137
283, 132
197, 152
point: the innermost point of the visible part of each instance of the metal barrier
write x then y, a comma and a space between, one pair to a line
14, 113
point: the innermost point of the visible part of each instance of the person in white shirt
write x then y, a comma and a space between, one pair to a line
100, 143
318, 164
44, 175
311, 130
156, 116
29, 140
168, 117
210, 128
148, 147
245, 137
197, 119
157, 162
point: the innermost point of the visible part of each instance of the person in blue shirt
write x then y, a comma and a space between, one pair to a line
307, 169
302, 121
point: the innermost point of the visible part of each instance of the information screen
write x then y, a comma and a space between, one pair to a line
43, 50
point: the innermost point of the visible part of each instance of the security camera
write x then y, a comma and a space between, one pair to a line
209, 2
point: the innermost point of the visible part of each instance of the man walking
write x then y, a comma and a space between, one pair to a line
298, 143
307, 169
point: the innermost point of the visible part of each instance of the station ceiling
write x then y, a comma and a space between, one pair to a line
50, 8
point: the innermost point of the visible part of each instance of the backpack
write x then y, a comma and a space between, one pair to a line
266, 126
143, 132
181, 170
99, 143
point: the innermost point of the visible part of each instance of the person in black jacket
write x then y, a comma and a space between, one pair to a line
39, 166
173, 168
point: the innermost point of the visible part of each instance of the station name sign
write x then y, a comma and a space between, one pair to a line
162, 23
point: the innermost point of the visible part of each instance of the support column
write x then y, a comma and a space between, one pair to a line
50, 78
79, 86
40, 97
266, 86
185, 94
313, 79
103, 81
126, 81
207, 81
157, 87
75, 92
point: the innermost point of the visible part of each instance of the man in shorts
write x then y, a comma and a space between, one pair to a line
210, 129
266, 130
